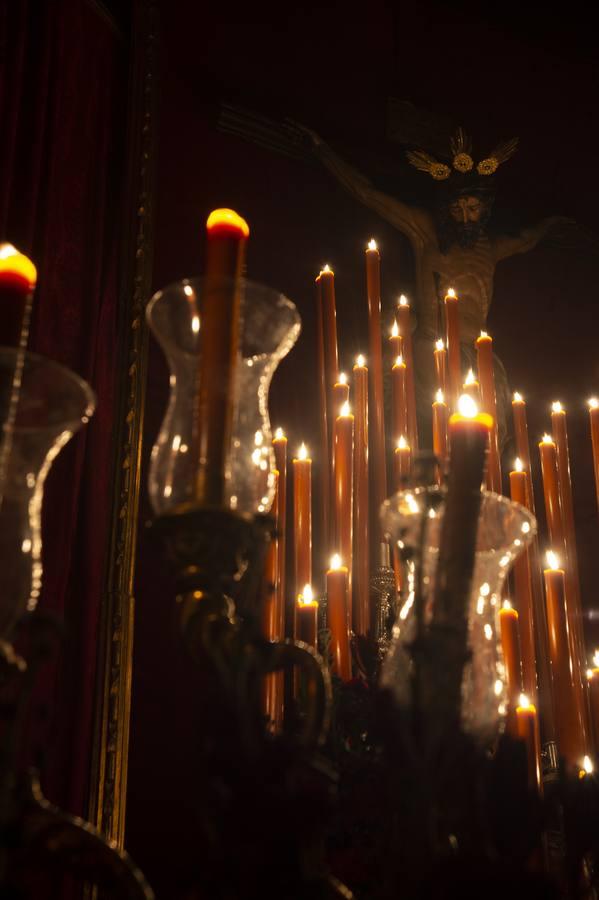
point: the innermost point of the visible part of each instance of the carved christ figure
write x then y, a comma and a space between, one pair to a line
452, 248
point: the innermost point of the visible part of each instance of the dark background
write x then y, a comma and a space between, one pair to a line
498, 72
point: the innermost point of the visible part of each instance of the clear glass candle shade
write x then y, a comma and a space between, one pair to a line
504, 530
269, 327
42, 404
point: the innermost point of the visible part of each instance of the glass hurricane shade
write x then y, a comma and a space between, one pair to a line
269, 327
504, 531
42, 405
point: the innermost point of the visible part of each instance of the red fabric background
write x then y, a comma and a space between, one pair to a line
62, 105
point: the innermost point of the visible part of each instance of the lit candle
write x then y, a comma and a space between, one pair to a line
331, 359
594, 423
337, 609
322, 471
340, 391
560, 436
307, 617
395, 341
399, 398
405, 329
440, 355
302, 518
486, 374
227, 235
528, 731
524, 590
510, 644
440, 414
471, 387
18, 277
344, 437
568, 694
361, 558
521, 436
469, 435
452, 341
376, 414
273, 689
280, 450
402, 463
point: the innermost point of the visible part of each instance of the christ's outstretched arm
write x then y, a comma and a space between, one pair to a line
506, 245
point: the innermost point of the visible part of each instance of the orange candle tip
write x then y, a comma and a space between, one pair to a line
227, 222
402, 444
372, 245
484, 336
553, 561
439, 396
518, 465
403, 301
326, 270
556, 407
517, 398
524, 704
16, 265
336, 564
451, 294
546, 439
468, 412
306, 598
302, 454
439, 345
279, 435
399, 361
345, 411
360, 362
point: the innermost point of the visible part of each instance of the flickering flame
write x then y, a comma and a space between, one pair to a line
342, 378
15, 263
395, 329
470, 379
439, 396
336, 562
451, 293
372, 244
552, 560
484, 334
360, 361
467, 406
547, 439
279, 434
518, 465
523, 700
593, 403
402, 444
596, 659
345, 409
506, 604
557, 407
307, 595
399, 360
188, 290
195, 324
326, 268
589, 674
518, 398
230, 219
403, 300
587, 766
439, 345
302, 452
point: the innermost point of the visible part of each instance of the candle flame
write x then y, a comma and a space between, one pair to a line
336, 561
403, 300
360, 360
16, 263
470, 379
279, 434
439, 396
342, 378
326, 268
302, 453
587, 766
484, 334
519, 465
395, 329
518, 398
523, 700
399, 360
589, 674
188, 290
345, 409
506, 604
307, 594
451, 293
195, 324
467, 406
402, 444
593, 403
439, 345
547, 439
372, 244
557, 407
230, 218
552, 560
596, 659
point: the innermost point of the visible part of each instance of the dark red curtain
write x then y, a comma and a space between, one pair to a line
63, 86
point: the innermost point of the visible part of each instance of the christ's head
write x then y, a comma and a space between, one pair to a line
462, 219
